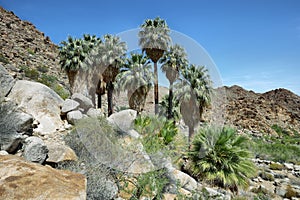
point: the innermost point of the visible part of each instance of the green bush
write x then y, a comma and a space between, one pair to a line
42, 69
276, 166
48, 80
62, 92
276, 150
217, 156
279, 130
3, 59
150, 184
30, 73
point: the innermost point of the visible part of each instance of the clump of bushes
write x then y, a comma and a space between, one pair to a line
3, 59
276, 166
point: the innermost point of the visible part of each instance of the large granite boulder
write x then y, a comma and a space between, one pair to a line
123, 119
6, 82
41, 102
85, 102
20, 179
14, 126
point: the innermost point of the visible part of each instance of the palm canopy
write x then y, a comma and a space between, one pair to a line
173, 61
74, 52
195, 82
136, 73
154, 34
136, 77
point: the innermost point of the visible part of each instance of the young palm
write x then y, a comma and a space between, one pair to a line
154, 38
194, 94
110, 55
136, 78
172, 62
73, 53
217, 156
164, 108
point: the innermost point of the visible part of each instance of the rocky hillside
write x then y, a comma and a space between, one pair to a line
25, 51
259, 112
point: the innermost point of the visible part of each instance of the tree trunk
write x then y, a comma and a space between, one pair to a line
71, 76
110, 89
170, 107
99, 103
155, 88
191, 133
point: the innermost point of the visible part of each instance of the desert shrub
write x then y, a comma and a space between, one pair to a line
3, 59
279, 130
160, 127
48, 80
30, 73
217, 156
61, 91
30, 51
150, 184
100, 177
42, 69
275, 151
290, 192
276, 166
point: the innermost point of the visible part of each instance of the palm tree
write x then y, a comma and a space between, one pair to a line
154, 40
217, 155
164, 108
172, 62
136, 78
73, 53
194, 94
110, 55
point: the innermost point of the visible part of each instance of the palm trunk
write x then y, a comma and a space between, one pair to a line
155, 88
170, 107
99, 103
71, 76
191, 133
110, 89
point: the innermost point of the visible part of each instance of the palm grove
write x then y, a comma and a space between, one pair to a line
102, 65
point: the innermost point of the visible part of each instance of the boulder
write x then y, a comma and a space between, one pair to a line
69, 105
35, 150
60, 153
14, 126
6, 82
74, 116
3, 153
92, 112
123, 119
39, 101
186, 182
85, 102
20, 179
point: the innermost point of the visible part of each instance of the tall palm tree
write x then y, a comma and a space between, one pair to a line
110, 55
194, 94
73, 53
218, 156
172, 62
136, 77
154, 38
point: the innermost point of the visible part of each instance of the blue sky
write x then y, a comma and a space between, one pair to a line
254, 43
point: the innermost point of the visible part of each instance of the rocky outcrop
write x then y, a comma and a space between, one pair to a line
23, 180
22, 45
39, 101
259, 112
